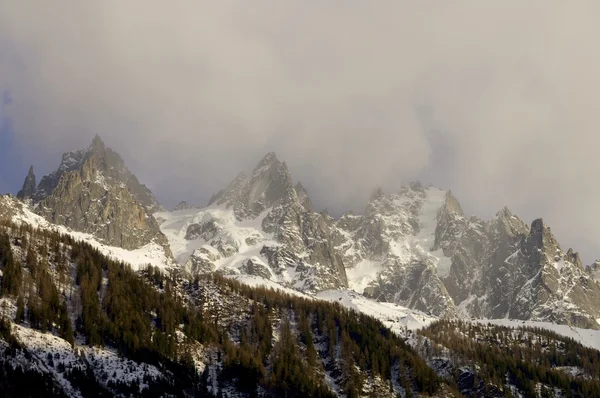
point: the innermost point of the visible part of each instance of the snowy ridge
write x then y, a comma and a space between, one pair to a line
395, 317
54, 355
151, 254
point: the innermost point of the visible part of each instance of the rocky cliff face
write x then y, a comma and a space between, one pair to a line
503, 268
29, 187
92, 191
264, 225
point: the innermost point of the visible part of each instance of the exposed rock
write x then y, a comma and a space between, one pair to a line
202, 261
415, 248
183, 205
29, 186
303, 197
429, 256
92, 191
230, 193
253, 266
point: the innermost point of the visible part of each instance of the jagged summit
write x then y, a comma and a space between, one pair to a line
270, 183
504, 213
303, 197
452, 205
266, 162
97, 146
93, 191
541, 235
266, 226
29, 186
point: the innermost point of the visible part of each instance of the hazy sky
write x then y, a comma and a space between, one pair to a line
497, 100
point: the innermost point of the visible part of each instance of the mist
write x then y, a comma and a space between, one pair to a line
497, 101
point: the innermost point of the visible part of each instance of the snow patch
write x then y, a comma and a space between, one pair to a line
587, 337
363, 273
150, 254
393, 316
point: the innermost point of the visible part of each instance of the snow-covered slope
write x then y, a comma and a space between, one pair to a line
587, 337
53, 355
414, 247
227, 233
262, 226
395, 317
151, 254
390, 254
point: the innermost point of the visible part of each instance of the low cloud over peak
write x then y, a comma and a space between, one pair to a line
496, 101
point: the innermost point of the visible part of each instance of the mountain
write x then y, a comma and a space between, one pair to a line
271, 298
415, 248
92, 191
76, 323
259, 225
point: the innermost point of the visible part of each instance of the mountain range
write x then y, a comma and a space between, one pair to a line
414, 247
412, 257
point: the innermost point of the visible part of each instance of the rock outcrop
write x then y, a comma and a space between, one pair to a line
93, 191
29, 187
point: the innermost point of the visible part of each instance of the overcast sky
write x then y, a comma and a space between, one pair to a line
497, 100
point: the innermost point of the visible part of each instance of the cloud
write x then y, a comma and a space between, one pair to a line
498, 101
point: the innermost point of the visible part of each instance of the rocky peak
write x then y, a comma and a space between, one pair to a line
231, 192
93, 191
303, 197
304, 238
451, 205
97, 145
541, 237
29, 186
271, 167
95, 160
450, 223
270, 183
70, 161
505, 223
412, 188
266, 162
573, 257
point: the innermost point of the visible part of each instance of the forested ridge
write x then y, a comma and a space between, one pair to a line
537, 362
271, 345
210, 335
